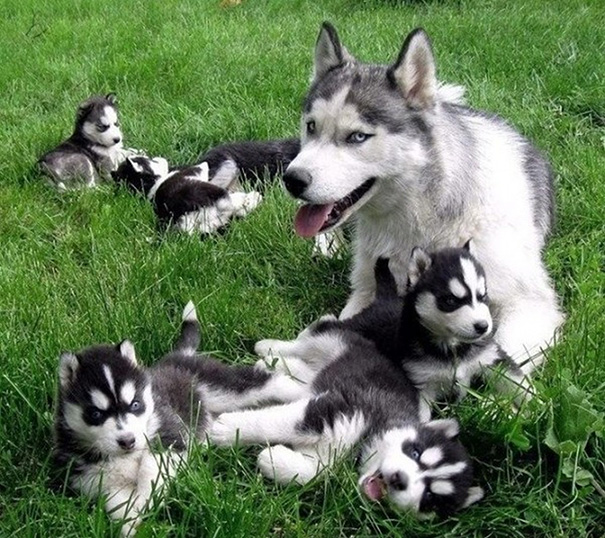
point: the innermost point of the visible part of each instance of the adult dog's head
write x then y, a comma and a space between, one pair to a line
365, 128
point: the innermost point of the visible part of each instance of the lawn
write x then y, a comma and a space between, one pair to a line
89, 267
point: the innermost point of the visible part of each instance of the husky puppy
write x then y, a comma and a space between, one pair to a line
184, 197
391, 147
112, 412
359, 396
250, 160
92, 151
441, 332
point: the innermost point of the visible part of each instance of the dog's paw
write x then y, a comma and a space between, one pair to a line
245, 202
284, 465
267, 348
224, 430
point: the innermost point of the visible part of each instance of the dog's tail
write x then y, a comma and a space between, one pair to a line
386, 288
191, 334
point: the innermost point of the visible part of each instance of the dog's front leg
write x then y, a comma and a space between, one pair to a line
275, 424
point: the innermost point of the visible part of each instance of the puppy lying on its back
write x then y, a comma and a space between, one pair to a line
112, 412
92, 151
183, 197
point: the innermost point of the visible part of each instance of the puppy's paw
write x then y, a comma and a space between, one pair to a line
284, 465
224, 430
267, 348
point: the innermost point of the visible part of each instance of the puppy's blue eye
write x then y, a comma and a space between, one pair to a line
450, 300
102, 128
358, 137
415, 454
135, 405
95, 414
310, 127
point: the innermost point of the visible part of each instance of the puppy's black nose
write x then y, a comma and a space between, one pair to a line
398, 481
126, 442
481, 327
296, 181
116, 139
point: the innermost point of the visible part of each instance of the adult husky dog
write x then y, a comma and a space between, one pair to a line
398, 151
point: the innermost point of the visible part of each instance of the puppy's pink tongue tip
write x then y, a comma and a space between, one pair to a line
373, 487
310, 218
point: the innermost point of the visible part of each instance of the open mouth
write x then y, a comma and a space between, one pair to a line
374, 486
313, 219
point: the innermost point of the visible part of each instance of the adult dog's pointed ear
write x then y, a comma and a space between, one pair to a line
414, 71
329, 53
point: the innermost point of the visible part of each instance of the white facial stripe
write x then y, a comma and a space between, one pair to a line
431, 456
446, 471
471, 278
109, 116
99, 400
127, 392
442, 487
110, 381
481, 288
457, 288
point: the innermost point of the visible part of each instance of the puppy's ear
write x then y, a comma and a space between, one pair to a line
329, 53
112, 98
126, 349
474, 494
469, 246
420, 261
84, 109
414, 72
448, 426
68, 366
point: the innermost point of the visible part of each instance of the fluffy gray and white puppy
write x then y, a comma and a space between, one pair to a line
122, 429
93, 150
402, 155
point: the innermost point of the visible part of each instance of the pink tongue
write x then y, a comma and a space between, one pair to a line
373, 487
310, 218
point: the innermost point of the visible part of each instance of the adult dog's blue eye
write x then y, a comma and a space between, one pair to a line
358, 137
310, 127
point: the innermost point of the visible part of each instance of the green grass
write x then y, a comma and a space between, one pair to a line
90, 267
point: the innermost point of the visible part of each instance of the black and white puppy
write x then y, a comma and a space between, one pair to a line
114, 415
183, 197
93, 150
357, 395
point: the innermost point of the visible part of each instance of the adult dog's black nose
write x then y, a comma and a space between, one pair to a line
296, 181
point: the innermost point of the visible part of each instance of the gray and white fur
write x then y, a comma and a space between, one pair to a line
392, 148
94, 149
183, 197
357, 397
122, 429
